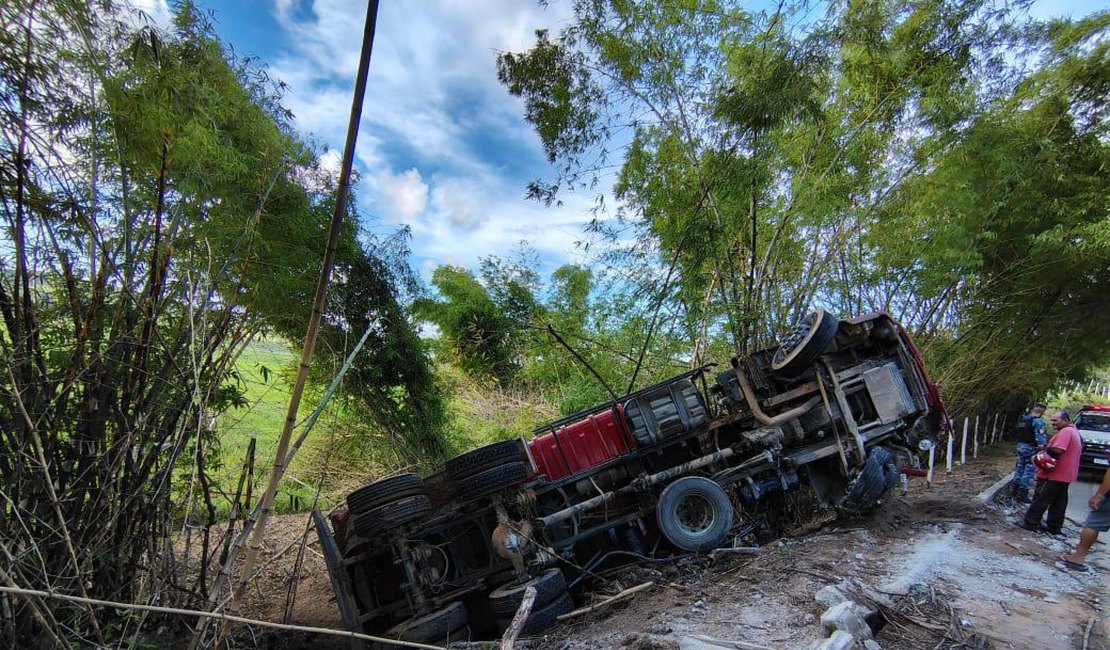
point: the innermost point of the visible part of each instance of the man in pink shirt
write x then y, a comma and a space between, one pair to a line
1052, 485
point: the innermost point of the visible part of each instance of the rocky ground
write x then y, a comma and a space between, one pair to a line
943, 568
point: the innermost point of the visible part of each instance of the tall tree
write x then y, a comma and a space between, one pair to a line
158, 212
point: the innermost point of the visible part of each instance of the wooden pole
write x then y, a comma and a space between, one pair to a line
975, 451
521, 617
963, 445
932, 460
250, 557
948, 455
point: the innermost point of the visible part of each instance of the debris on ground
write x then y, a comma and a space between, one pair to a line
933, 569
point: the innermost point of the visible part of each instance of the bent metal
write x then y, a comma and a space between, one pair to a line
681, 466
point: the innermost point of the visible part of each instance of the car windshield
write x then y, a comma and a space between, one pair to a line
1093, 422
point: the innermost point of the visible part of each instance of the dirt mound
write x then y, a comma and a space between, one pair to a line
901, 514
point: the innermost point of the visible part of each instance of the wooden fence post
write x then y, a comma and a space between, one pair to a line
963, 445
948, 455
975, 451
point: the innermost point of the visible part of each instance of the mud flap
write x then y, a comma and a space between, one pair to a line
879, 474
340, 581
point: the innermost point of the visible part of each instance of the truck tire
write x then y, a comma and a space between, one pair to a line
694, 514
483, 458
879, 474
463, 634
431, 627
804, 343
392, 515
506, 599
381, 492
544, 617
492, 480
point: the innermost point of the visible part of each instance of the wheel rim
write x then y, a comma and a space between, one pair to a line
795, 336
695, 514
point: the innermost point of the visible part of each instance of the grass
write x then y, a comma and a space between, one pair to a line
265, 371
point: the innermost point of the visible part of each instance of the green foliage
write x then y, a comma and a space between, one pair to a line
159, 214
478, 328
942, 160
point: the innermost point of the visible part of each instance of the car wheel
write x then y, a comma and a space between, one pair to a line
694, 514
804, 343
506, 599
483, 458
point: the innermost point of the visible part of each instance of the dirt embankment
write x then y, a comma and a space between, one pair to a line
969, 575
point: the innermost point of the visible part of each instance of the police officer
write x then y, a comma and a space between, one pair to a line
1030, 435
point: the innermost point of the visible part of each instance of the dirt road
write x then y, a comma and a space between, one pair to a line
969, 576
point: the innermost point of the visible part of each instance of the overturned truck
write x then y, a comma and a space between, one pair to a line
843, 407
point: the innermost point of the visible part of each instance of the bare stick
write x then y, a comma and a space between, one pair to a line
522, 613
223, 617
725, 643
608, 601
1087, 633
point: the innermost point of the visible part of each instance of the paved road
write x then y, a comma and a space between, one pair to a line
1078, 495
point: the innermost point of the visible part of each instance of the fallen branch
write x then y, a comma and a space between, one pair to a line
519, 619
725, 643
740, 550
209, 615
622, 595
1087, 633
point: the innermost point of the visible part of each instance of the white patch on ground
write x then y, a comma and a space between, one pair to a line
1017, 597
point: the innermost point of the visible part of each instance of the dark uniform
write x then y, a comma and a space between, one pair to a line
1030, 433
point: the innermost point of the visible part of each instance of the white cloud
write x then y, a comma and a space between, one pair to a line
157, 12
407, 193
434, 108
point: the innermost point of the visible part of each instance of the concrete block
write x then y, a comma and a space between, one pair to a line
840, 640
847, 616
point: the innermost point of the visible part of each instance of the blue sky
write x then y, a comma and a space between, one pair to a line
443, 148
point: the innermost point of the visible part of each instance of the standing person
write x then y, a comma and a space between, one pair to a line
1098, 521
1030, 435
1052, 484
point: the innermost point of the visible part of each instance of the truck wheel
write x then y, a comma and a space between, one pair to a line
431, 627
506, 600
462, 634
694, 513
542, 618
804, 343
879, 474
492, 480
483, 458
392, 515
381, 492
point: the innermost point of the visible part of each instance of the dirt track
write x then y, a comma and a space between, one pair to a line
972, 577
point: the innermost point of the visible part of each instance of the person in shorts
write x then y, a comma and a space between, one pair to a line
1098, 521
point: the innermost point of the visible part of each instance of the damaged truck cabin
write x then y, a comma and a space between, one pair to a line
685, 465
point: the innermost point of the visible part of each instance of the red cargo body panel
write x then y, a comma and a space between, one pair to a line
581, 445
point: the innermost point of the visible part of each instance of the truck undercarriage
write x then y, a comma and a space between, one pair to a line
682, 466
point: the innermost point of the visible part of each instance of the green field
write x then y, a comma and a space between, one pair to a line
265, 372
